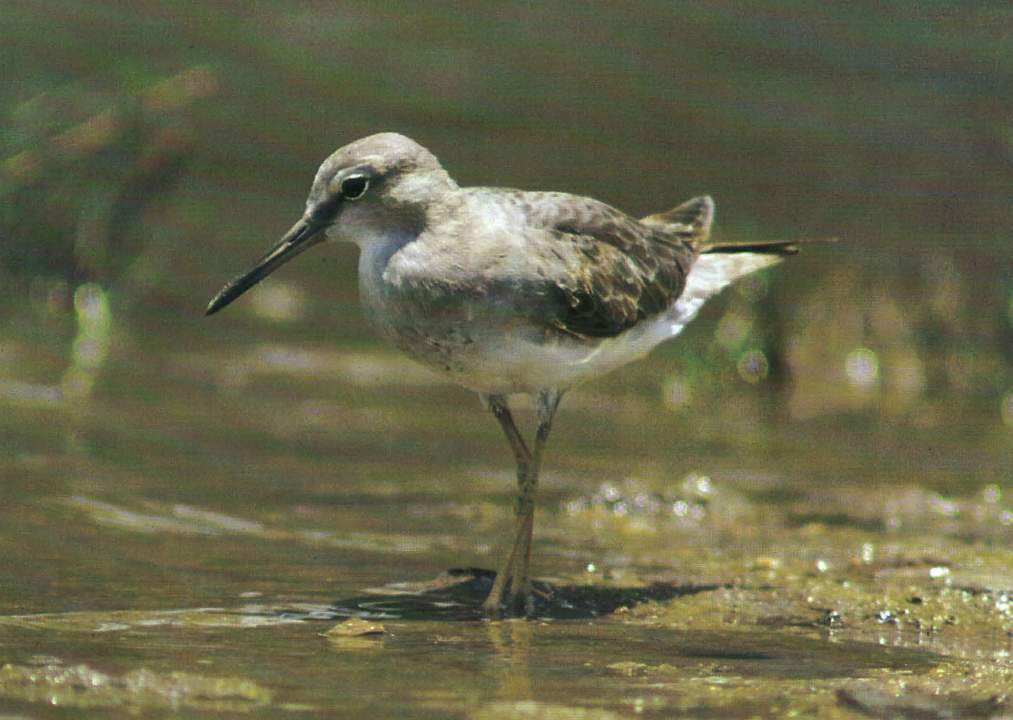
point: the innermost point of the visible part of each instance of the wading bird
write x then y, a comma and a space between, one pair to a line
509, 291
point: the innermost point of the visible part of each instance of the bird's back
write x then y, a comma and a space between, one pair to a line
571, 263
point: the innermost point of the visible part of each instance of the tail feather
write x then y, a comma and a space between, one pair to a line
691, 220
762, 247
772, 247
720, 264
717, 264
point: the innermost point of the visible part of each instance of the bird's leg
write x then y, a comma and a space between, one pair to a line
498, 405
546, 405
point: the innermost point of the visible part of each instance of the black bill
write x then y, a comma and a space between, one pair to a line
303, 235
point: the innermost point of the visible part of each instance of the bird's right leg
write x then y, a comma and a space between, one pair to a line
498, 405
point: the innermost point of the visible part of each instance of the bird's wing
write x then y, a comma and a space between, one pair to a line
566, 263
610, 271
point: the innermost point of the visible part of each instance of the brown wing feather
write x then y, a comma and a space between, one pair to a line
628, 271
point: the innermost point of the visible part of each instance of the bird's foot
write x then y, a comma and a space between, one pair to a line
513, 605
511, 602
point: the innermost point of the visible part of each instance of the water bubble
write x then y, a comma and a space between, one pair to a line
862, 367
574, 507
610, 492
1003, 603
697, 484
90, 301
732, 330
703, 484
279, 301
884, 616
753, 366
91, 345
943, 506
677, 393
868, 553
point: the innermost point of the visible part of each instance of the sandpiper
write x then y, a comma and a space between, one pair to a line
507, 291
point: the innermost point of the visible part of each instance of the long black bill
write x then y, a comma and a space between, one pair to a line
303, 235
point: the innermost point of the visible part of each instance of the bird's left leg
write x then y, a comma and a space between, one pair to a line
497, 404
546, 404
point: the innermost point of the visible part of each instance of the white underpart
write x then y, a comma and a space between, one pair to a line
709, 275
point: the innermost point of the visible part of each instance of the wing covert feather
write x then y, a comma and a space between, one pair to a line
619, 272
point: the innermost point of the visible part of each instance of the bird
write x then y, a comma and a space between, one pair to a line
507, 291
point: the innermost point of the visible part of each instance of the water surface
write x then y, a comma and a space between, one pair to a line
802, 505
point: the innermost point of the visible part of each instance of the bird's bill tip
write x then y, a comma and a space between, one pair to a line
303, 235
214, 305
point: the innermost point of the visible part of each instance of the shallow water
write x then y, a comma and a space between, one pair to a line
801, 506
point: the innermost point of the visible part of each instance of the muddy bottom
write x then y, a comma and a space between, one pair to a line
594, 649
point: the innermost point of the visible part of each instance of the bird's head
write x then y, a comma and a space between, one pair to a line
379, 184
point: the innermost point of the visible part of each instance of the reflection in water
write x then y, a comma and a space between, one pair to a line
90, 347
181, 519
511, 648
58, 684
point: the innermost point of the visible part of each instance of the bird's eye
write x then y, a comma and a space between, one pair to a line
354, 187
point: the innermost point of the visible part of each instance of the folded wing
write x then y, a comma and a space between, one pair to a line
614, 270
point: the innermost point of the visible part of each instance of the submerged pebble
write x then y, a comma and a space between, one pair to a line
356, 627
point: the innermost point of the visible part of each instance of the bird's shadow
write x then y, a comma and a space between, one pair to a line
458, 594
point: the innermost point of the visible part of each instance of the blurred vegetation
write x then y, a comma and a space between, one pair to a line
80, 168
163, 132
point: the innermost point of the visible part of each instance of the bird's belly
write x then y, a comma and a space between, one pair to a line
501, 355
458, 343
489, 345
468, 337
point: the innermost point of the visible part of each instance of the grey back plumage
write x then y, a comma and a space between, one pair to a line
569, 264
